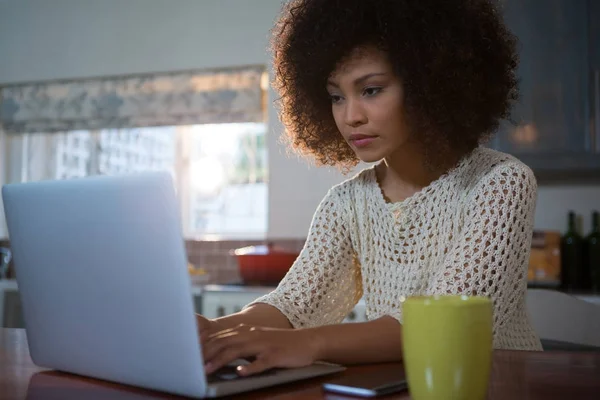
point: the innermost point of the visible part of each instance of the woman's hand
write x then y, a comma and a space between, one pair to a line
270, 348
206, 327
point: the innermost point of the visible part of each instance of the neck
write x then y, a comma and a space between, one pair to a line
404, 172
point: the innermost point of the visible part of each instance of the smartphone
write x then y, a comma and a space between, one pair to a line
369, 385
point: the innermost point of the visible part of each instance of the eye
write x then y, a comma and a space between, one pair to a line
335, 98
371, 91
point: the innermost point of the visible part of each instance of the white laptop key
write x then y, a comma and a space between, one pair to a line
101, 268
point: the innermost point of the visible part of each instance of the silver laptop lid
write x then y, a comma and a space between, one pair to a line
101, 267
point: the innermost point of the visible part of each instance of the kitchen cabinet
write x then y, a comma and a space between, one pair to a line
559, 44
218, 300
221, 300
12, 314
212, 301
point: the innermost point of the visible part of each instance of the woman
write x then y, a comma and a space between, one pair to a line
414, 86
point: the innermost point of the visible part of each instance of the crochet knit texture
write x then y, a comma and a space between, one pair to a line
468, 232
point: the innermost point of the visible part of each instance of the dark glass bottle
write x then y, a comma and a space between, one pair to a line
572, 258
592, 252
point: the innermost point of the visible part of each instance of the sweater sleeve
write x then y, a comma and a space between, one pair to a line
324, 283
491, 257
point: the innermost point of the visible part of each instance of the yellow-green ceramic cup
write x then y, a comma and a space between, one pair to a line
447, 343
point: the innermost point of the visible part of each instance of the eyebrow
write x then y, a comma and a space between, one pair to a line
359, 80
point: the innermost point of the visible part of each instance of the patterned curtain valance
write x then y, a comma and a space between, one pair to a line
181, 98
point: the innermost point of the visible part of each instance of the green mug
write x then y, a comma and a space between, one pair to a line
447, 344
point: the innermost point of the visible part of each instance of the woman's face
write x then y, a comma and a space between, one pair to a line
367, 102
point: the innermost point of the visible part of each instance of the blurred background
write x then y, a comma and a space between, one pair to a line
117, 86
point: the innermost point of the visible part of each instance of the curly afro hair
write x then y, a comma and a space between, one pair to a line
456, 60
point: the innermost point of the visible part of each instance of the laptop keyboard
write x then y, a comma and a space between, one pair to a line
229, 373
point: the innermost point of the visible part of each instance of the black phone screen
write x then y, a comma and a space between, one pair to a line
369, 384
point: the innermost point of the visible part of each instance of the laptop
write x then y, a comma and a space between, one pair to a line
101, 267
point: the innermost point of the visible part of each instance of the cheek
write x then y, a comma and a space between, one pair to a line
389, 120
337, 116
385, 114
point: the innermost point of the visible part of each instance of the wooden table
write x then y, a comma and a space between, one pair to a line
515, 375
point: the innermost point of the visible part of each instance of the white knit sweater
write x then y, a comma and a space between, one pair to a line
468, 232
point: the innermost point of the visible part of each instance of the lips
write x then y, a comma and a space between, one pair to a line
359, 140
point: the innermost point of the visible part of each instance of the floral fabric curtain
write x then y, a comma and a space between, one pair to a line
161, 99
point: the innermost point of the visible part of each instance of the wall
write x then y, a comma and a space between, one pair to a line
72, 38
554, 202
42, 39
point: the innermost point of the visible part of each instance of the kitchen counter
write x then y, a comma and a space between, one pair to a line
515, 375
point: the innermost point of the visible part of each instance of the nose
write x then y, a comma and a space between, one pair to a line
354, 114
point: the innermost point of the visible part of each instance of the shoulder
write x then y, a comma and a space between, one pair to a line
501, 186
498, 173
344, 198
359, 183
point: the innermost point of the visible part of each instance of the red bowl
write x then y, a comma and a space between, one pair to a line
263, 265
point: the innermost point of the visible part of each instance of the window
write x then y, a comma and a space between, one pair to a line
228, 179
220, 169
205, 127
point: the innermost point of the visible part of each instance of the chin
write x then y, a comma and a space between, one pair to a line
369, 156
